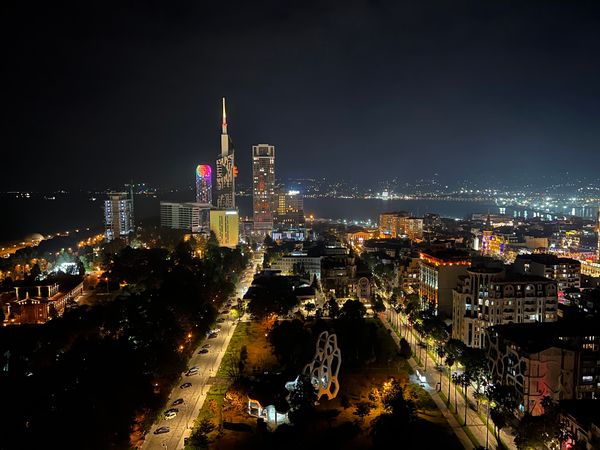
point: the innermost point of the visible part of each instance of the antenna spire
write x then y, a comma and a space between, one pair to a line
224, 124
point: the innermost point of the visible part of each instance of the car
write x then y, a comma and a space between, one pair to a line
171, 413
192, 371
179, 401
206, 346
162, 430
185, 385
203, 351
215, 330
212, 335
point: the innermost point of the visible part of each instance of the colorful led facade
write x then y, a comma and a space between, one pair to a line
263, 186
204, 184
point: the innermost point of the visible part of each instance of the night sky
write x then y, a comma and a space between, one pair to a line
95, 93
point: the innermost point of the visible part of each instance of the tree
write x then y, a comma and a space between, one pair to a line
362, 410
378, 305
353, 310
333, 308
199, 438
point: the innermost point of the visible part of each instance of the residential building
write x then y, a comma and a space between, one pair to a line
560, 360
263, 183
393, 224
413, 228
118, 215
194, 217
409, 272
204, 184
566, 271
581, 418
438, 274
225, 224
487, 296
226, 170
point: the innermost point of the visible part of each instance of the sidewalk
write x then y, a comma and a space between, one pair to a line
476, 423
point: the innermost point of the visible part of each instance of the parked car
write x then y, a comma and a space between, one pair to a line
162, 430
206, 346
171, 413
185, 385
203, 351
179, 401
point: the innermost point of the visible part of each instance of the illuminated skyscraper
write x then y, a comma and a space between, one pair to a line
263, 182
225, 169
598, 234
204, 184
118, 215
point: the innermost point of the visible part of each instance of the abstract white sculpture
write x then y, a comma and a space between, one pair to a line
323, 370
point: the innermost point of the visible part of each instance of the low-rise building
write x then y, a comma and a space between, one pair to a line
38, 304
299, 262
566, 271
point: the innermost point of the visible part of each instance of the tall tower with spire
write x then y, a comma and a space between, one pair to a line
225, 168
598, 233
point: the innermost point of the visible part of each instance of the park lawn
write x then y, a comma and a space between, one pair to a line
344, 429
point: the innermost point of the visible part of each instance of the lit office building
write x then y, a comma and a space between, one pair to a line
225, 169
204, 184
118, 215
438, 274
192, 217
225, 224
290, 209
263, 183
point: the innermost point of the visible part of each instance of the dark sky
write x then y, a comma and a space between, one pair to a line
97, 92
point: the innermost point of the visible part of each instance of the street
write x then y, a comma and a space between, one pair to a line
454, 413
194, 396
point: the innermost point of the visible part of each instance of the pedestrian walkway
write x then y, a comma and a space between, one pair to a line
476, 431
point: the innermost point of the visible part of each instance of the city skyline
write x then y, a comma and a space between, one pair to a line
468, 84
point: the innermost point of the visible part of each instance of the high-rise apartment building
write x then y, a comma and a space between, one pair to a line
204, 184
225, 224
118, 215
392, 224
225, 169
263, 186
289, 208
192, 217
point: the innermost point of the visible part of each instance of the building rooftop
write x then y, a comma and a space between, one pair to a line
547, 259
535, 337
585, 412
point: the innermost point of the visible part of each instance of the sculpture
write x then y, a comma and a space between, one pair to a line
322, 372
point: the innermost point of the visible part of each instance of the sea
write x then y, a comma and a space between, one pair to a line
48, 214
